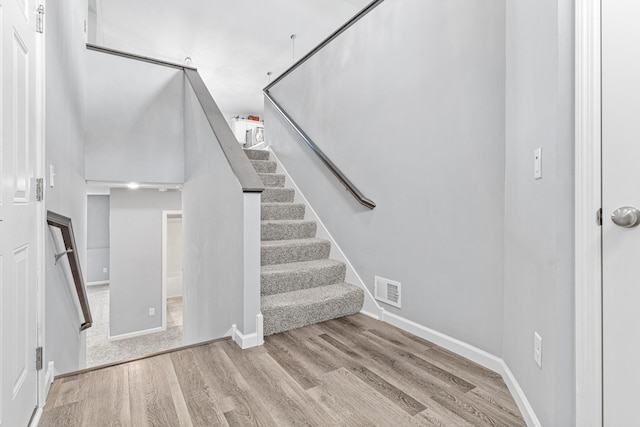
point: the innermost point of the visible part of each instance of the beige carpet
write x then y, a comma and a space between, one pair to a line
101, 351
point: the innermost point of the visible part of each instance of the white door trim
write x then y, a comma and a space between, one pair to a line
41, 216
165, 219
588, 200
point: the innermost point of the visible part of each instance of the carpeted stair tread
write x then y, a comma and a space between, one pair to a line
287, 229
286, 251
257, 154
272, 179
282, 211
294, 276
275, 194
290, 310
264, 166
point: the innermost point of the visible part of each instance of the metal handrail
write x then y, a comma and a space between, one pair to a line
332, 167
64, 224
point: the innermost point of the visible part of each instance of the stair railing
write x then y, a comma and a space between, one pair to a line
351, 188
71, 251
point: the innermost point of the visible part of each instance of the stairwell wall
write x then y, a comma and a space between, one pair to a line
134, 120
64, 150
213, 222
414, 116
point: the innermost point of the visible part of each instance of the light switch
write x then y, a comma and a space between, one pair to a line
537, 163
52, 175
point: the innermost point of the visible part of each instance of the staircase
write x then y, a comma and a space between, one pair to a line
300, 285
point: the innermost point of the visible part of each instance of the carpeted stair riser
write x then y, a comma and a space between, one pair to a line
285, 251
272, 179
291, 310
295, 276
287, 230
299, 284
280, 195
257, 154
281, 211
264, 166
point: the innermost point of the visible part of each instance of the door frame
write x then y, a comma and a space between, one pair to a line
165, 219
588, 202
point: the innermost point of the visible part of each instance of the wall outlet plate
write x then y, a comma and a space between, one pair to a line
152, 311
537, 349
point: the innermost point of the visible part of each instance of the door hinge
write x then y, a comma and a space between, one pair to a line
38, 358
40, 19
599, 217
39, 189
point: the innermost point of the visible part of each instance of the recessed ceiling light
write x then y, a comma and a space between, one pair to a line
187, 60
133, 185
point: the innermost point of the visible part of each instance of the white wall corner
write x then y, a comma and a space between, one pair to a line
370, 304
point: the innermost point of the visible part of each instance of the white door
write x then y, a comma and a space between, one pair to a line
19, 151
621, 188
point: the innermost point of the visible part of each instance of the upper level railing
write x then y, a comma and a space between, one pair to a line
71, 251
351, 188
239, 163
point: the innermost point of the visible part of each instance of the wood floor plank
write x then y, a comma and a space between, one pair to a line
152, 402
354, 371
267, 378
415, 360
228, 385
358, 397
376, 382
200, 401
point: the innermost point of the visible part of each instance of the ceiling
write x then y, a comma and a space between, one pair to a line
233, 43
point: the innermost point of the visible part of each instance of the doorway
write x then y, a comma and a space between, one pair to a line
172, 268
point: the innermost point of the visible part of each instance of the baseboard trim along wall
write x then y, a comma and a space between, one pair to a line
249, 340
468, 351
135, 334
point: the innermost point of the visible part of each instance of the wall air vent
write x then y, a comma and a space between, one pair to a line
387, 291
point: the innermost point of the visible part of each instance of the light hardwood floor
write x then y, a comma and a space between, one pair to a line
353, 371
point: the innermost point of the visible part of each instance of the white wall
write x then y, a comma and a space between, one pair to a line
212, 217
97, 238
65, 95
136, 258
538, 292
414, 116
135, 122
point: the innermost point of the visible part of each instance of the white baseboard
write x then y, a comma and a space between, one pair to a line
103, 282
35, 420
249, 340
518, 395
135, 334
48, 377
467, 351
244, 341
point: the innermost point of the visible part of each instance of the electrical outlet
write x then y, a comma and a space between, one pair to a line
537, 349
104, 269
537, 163
152, 311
